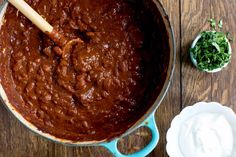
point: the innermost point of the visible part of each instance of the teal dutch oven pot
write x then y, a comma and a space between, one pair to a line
147, 120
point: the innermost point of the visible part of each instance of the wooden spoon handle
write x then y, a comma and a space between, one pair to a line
32, 15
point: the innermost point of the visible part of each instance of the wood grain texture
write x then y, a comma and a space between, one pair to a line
196, 85
4, 132
189, 85
223, 83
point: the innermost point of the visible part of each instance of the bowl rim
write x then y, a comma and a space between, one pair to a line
152, 109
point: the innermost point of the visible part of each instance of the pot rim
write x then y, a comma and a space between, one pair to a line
152, 109
170, 71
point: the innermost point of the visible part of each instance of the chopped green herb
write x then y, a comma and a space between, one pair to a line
211, 51
213, 23
228, 35
220, 24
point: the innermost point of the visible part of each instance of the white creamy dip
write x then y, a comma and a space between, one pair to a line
206, 135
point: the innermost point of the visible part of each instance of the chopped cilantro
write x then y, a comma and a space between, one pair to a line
213, 23
220, 24
211, 51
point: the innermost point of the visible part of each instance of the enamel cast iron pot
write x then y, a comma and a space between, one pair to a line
148, 118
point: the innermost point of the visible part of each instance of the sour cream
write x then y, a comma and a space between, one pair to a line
206, 135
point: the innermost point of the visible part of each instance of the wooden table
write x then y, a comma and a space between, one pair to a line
188, 18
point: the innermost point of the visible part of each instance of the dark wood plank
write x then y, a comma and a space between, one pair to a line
63, 151
224, 82
25, 143
16, 140
171, 105
196, 85
4, 132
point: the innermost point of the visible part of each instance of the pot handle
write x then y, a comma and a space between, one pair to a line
151, 124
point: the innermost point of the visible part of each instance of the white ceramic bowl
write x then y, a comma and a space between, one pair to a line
173, 133
194, 61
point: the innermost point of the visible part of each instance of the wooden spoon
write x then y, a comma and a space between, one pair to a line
45, 27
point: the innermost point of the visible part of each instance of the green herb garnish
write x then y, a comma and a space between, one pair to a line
211, 51
213, 23
220, 24
229, 37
